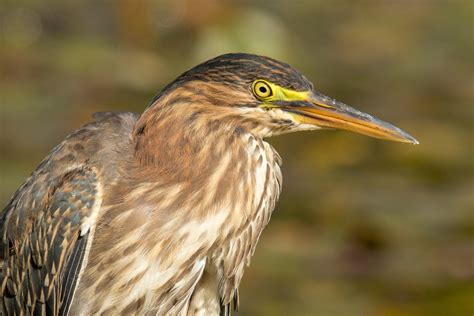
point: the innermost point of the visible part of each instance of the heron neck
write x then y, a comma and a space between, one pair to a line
186, 140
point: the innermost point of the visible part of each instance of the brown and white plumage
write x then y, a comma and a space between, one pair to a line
157, 214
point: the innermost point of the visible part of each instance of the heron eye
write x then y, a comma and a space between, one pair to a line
262, 89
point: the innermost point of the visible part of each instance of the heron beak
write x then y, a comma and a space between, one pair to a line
322, 111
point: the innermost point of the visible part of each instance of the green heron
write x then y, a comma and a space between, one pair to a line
160, 213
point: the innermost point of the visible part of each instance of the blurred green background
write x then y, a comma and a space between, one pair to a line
363, 227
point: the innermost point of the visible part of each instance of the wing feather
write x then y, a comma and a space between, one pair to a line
43, 250
71, 274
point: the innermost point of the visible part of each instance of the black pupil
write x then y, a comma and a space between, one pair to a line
262, 89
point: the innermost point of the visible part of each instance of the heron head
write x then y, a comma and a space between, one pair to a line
271, 98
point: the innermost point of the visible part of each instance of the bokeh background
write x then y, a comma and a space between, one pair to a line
363, 227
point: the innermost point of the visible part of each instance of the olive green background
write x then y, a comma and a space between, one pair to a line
363, 227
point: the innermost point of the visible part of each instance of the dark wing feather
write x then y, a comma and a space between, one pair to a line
71, 273
44, 238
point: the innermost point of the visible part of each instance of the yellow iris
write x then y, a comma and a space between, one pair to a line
262, 89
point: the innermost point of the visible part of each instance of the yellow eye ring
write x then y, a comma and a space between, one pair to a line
261, 89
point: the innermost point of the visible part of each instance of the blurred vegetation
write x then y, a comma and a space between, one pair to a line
364, 227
